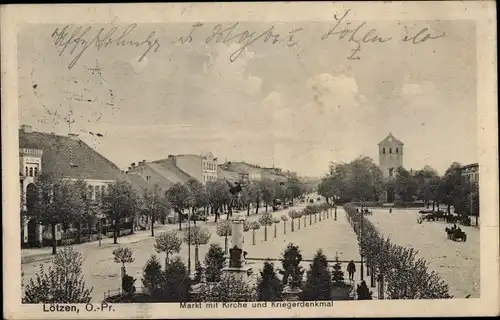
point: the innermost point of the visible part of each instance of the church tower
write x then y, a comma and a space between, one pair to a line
390, 152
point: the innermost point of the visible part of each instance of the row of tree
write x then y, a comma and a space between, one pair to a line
52, 201
406, 276
63, 281
361, 179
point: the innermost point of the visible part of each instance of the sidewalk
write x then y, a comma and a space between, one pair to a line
43, 254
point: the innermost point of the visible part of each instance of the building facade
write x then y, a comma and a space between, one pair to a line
390, 151
65, 157
470, 173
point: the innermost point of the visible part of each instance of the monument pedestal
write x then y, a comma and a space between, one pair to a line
236, 265
291, 293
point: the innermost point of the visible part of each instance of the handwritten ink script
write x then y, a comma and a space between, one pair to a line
77, 41
80, 40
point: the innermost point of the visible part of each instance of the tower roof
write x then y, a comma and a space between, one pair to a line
391, 139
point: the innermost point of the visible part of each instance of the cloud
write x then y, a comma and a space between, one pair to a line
425, 88
331, 92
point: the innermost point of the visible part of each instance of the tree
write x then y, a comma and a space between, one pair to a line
284, 218
269, 287
293, 214
276, 220
123, 255
168, 242
451, 186
120, 203
198, 276
405, 185
154, 203
196, 236
337, 274
177, 284
198, 197
254, 225
217, 195
266, 220
229, 289
214, 262
55, 201
153, 277
319, 283
268, 190
224, 229
292, 271
63, 282
294, 187
178, 196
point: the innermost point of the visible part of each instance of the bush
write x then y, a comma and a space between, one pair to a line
269, 287
128, 284
153, 277
214, 262
52, 286
319, 282
292, 271
177, 284
229, 289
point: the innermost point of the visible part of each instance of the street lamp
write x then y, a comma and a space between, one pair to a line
189, 242
361, 237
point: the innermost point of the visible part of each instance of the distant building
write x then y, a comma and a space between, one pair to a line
390, 155
390, 151
66, 157
470, 172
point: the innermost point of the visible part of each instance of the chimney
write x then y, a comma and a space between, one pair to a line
73, 136
26, 128
132, 165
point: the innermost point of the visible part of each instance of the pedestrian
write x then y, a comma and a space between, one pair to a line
351, 269
390, 210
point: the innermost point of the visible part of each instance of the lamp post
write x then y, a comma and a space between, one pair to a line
189, 242
361, 237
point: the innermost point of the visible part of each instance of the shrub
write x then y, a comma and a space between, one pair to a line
153, 277
63, 282
229, 289
292, 271
214, 262
319, 282
269, 287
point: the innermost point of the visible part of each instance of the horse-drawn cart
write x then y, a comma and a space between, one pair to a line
456, 234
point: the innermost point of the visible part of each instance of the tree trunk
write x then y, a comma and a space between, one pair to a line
284, 227
133, 225
266, 207
253, 236
166, 260
248, 209
196, 255
152, 224
433, 205
310, 219
291, 221
449, 209
79, 233
275, 230
116, 234
257, 206
179, 214
298, 224
225, 244
305, 220
265, 232
54, 241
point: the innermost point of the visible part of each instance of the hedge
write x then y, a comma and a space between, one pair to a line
406, 276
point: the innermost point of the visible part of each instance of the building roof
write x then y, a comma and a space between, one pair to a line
228, 175
169, 170
56, 157
390, 139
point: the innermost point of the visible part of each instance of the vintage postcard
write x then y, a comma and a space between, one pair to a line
252, 160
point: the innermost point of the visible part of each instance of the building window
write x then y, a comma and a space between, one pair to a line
391, 170
390, 150
397, 149
31, 172
26, 172
383, 150
36, 171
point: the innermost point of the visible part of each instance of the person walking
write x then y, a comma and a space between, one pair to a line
351, 269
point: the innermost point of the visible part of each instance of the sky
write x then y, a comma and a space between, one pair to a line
297, 103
